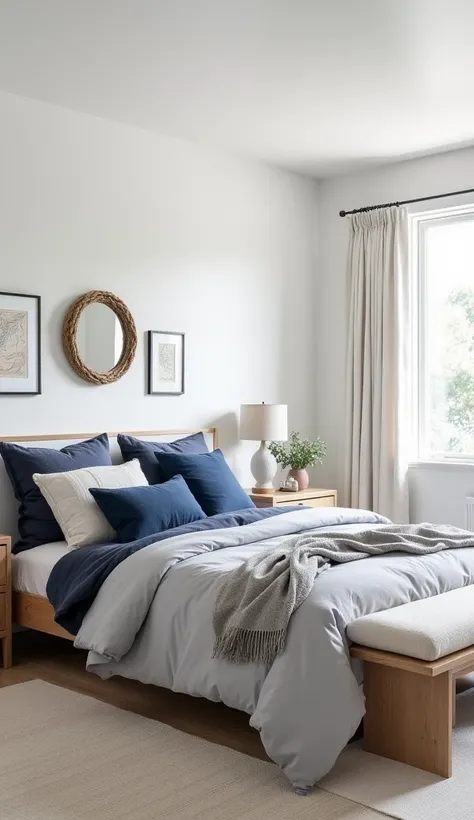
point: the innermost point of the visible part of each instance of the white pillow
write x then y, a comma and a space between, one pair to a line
73, 506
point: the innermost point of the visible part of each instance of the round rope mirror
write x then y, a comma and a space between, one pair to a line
99, 337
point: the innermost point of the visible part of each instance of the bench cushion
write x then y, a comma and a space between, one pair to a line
428, 629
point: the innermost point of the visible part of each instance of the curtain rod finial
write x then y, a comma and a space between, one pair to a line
342, 213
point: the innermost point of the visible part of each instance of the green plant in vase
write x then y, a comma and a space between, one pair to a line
298, 453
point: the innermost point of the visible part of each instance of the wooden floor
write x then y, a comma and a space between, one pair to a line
39, 656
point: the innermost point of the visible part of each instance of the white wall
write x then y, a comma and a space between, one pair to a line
220, 248
436, 494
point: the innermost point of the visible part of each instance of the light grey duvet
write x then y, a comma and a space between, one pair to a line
257, 600
152, 621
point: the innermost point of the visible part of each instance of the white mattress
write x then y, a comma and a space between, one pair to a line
31, 568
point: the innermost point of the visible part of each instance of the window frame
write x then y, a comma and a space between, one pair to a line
419, 224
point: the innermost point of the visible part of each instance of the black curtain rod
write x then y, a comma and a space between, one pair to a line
405, 202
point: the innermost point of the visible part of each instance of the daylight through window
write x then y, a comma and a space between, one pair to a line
444, 264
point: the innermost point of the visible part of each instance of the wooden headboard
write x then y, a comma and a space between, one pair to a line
8, 503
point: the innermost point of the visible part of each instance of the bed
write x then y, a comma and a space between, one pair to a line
30, 572
31, 569
151, 619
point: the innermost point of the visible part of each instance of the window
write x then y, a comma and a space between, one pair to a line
443, 264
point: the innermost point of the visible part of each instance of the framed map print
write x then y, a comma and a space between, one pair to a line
165, 363
20, 344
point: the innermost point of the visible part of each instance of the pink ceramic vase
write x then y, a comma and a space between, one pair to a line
302, 478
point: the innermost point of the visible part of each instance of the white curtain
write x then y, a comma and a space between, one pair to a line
378, 363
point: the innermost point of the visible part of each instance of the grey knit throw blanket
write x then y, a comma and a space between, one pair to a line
256, 601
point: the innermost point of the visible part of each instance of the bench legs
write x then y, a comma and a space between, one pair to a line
454, 702
409, 717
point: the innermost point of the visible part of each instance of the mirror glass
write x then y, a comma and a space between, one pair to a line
99, 337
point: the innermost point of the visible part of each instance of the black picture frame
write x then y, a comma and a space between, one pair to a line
37, 356
151, 380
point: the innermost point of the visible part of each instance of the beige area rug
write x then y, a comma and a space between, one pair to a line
65, 756
407, 793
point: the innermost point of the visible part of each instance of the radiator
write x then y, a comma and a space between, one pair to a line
469, 513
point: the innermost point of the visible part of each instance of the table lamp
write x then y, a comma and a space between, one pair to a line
263, 422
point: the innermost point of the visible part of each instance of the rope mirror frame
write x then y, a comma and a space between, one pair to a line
69, 336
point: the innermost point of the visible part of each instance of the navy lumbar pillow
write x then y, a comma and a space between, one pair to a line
210, 479
146, 452
135, 512
36, 523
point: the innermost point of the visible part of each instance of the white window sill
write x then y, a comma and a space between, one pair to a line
442, 464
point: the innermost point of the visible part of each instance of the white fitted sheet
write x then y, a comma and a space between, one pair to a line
31, 568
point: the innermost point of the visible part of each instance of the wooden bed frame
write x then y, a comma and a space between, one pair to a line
34, 611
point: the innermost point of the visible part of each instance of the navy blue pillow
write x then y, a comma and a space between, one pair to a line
36, 523
210, 480
135, 512
145, 452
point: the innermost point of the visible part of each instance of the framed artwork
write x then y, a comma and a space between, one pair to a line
165, 363
20, 344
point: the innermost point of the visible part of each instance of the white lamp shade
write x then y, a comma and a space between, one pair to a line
264, 422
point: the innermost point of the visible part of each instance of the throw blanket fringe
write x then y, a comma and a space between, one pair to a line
257, 600
247, 646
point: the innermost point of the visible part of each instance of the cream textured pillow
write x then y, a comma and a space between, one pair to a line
73, 506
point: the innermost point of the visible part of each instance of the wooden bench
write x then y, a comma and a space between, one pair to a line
410, 701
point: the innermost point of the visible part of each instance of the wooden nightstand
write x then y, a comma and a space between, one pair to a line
6, 600
306, 498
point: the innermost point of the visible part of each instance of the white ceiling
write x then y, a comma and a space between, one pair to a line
318, 87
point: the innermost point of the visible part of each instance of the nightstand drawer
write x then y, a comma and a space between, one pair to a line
5, 602
325, 501
3, 565
3, 613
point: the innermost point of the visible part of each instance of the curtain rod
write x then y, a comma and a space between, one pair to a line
405, 202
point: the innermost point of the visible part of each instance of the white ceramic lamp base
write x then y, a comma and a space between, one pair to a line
263, 467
